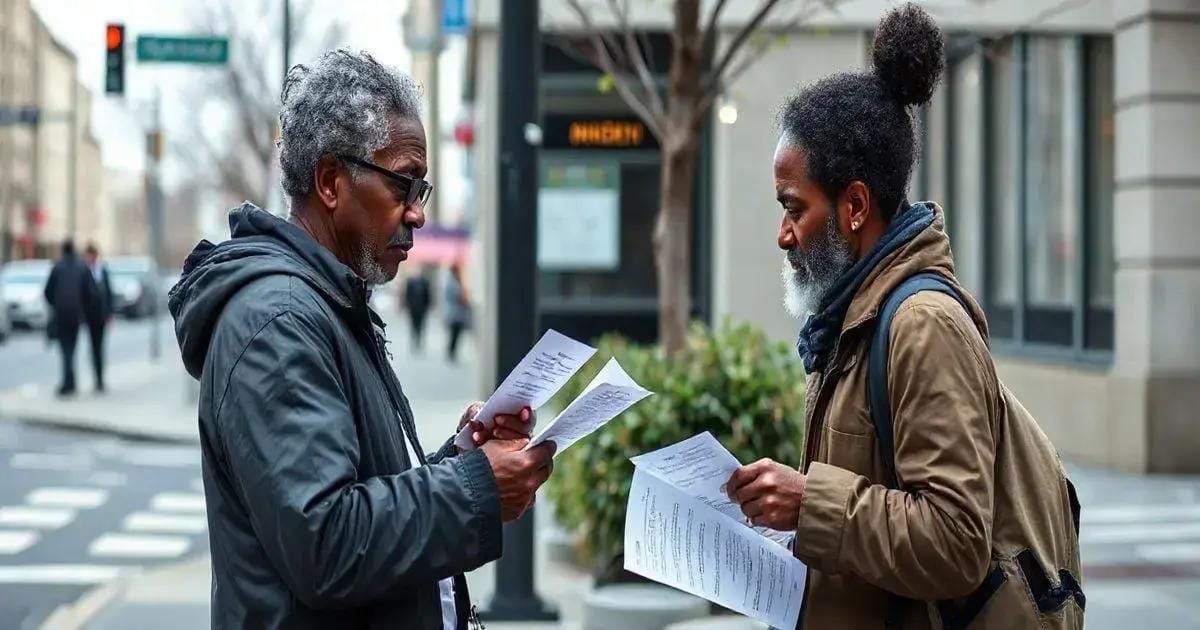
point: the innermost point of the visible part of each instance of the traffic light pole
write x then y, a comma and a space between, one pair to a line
520, 64
154, 214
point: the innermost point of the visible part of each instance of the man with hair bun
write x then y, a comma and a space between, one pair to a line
323, 509
928, 496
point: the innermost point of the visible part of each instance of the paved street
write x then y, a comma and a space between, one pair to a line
26, 359
83, 509
80, 509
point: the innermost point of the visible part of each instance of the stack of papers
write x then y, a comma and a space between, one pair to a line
681, 530
540, 374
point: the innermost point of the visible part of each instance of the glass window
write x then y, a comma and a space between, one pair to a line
1004, 253
967, 174
1052, 191
1098, 217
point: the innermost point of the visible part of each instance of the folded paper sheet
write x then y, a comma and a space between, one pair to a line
676, 539
552, 361
609, 394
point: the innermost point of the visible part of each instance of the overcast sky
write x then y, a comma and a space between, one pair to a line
118, 123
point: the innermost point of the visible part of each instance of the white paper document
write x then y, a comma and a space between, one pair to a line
552, 361
699, 466
678, 540
607, 396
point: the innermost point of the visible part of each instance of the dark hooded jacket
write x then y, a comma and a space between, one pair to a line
317, 518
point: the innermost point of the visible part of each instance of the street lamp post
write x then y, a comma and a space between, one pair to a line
520, 65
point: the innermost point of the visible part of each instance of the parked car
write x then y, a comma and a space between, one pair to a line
23, 283
136, 291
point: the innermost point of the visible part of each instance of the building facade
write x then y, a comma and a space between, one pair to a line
51, 173
18, 93
1064, 145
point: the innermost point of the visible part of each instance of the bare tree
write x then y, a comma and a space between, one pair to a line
240, 157
697, 76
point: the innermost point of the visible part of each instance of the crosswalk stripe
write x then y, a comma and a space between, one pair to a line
14, 542
177, 502
1140, 513
41, 518
45, 461
1141, 533
1169, 553
163, 457
80, 498
165, 523
138, 546
61, 574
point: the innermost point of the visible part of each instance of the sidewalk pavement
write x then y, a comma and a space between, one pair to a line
1140, 536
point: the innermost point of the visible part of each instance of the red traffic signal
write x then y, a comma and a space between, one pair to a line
114, 59
114, 36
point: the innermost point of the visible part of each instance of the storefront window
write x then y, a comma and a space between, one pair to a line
1053, 110
1098, 217
1003, 220
966, 232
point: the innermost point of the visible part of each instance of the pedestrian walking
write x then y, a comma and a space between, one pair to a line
928, 496
324, 511
457, 307
67, 289
417, 300
98, 309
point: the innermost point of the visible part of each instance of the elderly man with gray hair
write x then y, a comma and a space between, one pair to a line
323, 509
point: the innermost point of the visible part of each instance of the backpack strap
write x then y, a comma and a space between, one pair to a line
881, 416
877, 361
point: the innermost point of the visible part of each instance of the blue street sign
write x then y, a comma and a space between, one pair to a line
454, 17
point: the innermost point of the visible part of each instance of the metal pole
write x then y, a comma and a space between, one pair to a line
520, 62
154, 210
435, 127
287, 40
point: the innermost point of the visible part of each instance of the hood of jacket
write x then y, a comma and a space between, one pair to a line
260, 244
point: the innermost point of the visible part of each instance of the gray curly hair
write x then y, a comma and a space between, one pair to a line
339, 105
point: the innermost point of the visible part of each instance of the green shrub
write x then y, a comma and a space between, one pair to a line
746, 390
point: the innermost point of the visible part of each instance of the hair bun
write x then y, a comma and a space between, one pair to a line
909, 54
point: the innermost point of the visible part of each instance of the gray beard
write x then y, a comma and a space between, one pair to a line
816, 270
370, 269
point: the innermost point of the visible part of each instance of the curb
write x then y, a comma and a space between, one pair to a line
102, 426
77, 614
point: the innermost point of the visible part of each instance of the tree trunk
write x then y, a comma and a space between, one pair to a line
673, 242
680, 147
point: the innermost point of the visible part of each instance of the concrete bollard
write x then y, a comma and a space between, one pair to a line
639, 607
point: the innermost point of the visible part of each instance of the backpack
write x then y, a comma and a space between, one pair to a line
961, 615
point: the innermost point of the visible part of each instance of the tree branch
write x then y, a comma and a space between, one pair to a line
621, 80
637, 57
764, 9
709, 45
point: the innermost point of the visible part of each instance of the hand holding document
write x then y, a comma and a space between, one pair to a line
678, 540
548, 366
681, 530
609, 394
700, 466
552, 361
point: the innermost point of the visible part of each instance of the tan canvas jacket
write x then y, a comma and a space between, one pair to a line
980, 482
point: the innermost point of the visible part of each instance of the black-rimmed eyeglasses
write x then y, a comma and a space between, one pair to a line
419, 190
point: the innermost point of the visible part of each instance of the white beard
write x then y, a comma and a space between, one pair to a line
799, 298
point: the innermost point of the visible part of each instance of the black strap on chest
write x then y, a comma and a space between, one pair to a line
953, 617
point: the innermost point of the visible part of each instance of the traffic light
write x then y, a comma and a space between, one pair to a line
114, 65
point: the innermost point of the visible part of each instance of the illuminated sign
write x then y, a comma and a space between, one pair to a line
590, 132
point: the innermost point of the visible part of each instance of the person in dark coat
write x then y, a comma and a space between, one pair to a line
324, 511
417, 300
98, 310
67, 291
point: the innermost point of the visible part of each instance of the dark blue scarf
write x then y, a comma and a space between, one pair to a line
821, 330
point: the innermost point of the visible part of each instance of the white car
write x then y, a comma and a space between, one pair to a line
23, 283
